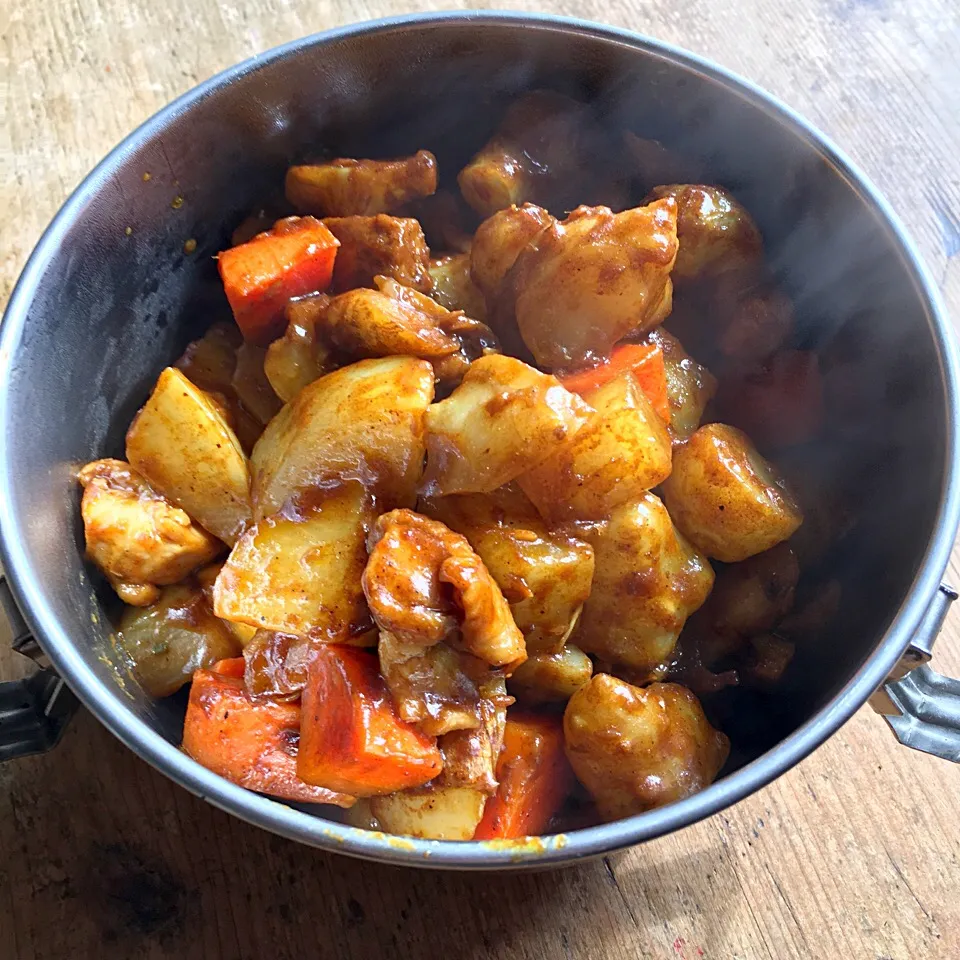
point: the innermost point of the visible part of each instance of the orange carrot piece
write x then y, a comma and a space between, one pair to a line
353, 739
534, 778
644, 361
293, 258
230, 668
252, 742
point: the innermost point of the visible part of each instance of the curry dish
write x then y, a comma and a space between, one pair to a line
446, 527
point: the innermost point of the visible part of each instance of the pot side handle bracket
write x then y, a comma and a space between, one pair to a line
921, 705
33, 711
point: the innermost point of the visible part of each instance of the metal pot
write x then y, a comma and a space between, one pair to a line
111, 295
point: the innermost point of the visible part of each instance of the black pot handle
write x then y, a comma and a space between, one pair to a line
922, 706
33, 711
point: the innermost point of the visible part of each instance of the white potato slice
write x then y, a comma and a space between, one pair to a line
623, 451
298, 572
181, 443
503, 419
362, 422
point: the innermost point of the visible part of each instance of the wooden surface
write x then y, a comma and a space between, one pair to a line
852, 855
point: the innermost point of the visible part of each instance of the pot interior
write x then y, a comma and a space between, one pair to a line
116, 298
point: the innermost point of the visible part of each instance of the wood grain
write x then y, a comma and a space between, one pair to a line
853, 854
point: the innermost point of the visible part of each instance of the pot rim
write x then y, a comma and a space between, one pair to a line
308, 828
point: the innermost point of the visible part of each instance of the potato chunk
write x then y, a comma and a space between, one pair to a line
298, 357
647, 580
135, 536
371, 246
362, 422
346, 187
585, 283
181, 443
453, 286
251, 386
503, 419
414, 561
298, 571
551, 677
546, 575
638, 748
622, 451
690, 386
433, 813
716, 233
728, 500
172, 637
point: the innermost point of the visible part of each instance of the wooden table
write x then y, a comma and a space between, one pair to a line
853, 854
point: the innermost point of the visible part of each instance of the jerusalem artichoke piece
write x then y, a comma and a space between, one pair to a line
370, 246
647, 580
622, 451
431, 813
551, 677
690, 386
498, 242
173, 637
362, 422
715, 232
453, 286
728, 500
535, 153
638, 748
429, 685
589, 281
345, 187
181, 443
544, 574
503, 419
134, 535
298, 571
298, 357
412, 559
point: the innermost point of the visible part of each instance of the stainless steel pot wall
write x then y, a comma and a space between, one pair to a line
110, 296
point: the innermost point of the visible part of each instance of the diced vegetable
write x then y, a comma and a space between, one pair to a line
253, 742
726, 498
173, 637
243, 633
352, 739
345, 187
534, 779
690, 386
181, 443
293, 258
637, 748
642, 361
454, 288
298, 357
362, 422
551, 677
503, 419
251, 385
621, 452
433, 813
298, 571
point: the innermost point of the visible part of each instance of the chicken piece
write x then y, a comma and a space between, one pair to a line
370, 246
412, 559
589, 281
503, 419
638, 748
172, 637
621, 452
551, 677
498, 242
534, 155
299, 357
453, 287
430, 685
362, 422
544, 574
647, 580
716, 233
361, 188
136, 536
690, 386
728, 500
